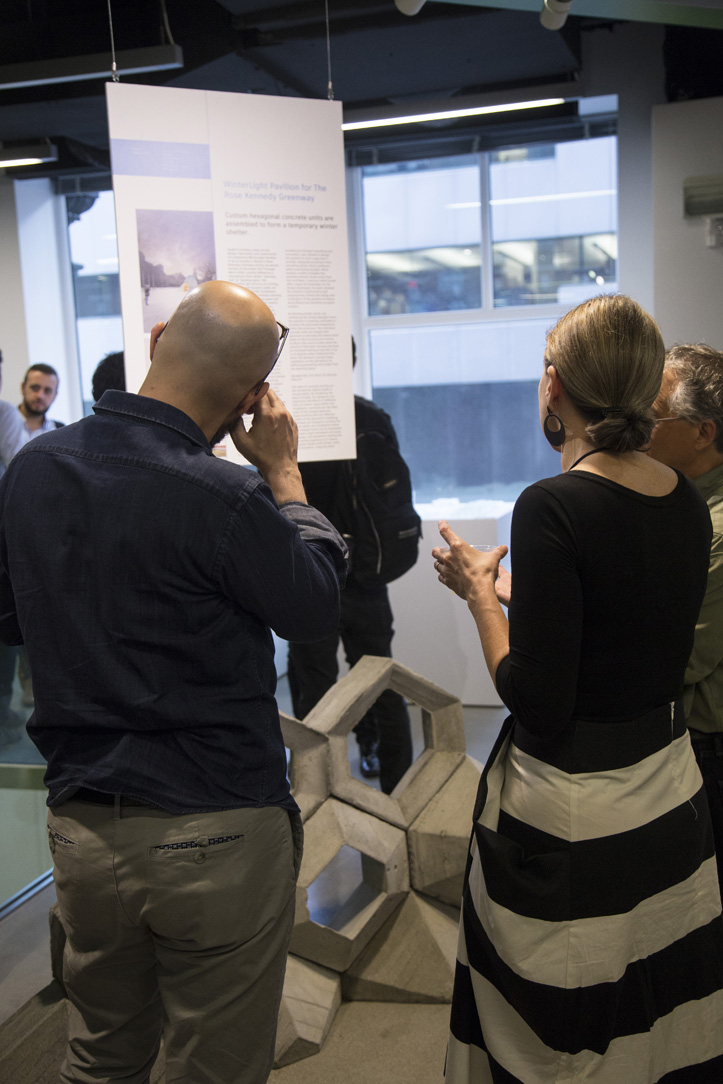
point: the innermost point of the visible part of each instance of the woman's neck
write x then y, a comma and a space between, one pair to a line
573, 449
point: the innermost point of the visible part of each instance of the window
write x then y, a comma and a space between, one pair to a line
553, 213
94, 257
422, 255
468, 261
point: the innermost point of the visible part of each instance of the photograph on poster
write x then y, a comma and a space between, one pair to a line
176, 253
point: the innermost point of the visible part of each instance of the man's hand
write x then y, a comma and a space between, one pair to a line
271, 444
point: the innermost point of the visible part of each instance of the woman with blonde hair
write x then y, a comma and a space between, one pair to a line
591, 940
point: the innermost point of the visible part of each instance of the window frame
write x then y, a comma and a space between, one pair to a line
486, 312
365, 324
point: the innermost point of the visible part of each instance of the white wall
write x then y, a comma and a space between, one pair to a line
627, 60
687, 142
47, 292
13, 338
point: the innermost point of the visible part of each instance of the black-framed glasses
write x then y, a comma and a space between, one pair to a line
283, 336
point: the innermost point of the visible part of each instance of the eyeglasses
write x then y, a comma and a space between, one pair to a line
672, 418
283, 336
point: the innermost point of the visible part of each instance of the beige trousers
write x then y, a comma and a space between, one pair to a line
177, 925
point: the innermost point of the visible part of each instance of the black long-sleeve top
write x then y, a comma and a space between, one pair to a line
607, 587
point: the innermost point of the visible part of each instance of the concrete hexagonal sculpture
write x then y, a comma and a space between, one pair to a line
312, 994
341, 708
309, 772
412, 957
439, 837
385, 883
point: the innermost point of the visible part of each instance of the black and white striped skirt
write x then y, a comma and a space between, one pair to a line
591, 940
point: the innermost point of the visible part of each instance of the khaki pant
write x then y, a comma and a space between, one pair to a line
177, 925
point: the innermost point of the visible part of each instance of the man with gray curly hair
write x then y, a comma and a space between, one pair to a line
689, 436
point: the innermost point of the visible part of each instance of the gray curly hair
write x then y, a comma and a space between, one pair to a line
698, 391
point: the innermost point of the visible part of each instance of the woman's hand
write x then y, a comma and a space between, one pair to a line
503, 586
472, 574
462, 568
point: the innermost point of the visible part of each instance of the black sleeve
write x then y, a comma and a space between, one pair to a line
538, 679
286, 565
9, 627
322, 481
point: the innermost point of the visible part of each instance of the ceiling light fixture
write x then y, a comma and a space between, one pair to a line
554, 13
551, 196
28, 154
409, 7
449, 114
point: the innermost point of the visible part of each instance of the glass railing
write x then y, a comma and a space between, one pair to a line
25, 860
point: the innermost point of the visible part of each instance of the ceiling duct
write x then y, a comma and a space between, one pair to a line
74, 69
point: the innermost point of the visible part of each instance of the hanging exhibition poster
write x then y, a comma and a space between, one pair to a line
250, 189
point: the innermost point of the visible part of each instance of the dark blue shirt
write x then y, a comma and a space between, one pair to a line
143, 575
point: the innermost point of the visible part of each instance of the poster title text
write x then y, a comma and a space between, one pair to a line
272, 191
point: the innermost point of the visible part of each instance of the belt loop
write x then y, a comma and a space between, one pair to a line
116, 806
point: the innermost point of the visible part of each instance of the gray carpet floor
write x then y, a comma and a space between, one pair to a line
377, 1043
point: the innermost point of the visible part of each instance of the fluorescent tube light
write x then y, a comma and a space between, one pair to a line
28, 154
6, 164
552, 196
450, 114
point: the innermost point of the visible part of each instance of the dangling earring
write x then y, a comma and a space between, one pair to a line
555, 437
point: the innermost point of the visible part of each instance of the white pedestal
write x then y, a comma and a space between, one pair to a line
434, 631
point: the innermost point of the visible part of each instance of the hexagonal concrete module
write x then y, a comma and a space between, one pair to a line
311, 996
412, 957
439, 837
309, 764
341, 708
385, 870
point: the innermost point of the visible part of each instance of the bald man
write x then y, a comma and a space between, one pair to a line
144, 578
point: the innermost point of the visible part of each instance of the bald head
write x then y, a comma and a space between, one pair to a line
218, 345
221, 332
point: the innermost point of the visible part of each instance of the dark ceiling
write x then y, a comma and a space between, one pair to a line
378, 56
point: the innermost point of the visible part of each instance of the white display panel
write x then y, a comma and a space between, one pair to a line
249, 189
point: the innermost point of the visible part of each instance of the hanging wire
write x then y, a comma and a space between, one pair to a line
330, 85
165, 22
113, 66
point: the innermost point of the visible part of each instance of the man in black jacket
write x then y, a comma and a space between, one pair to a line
365, 627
